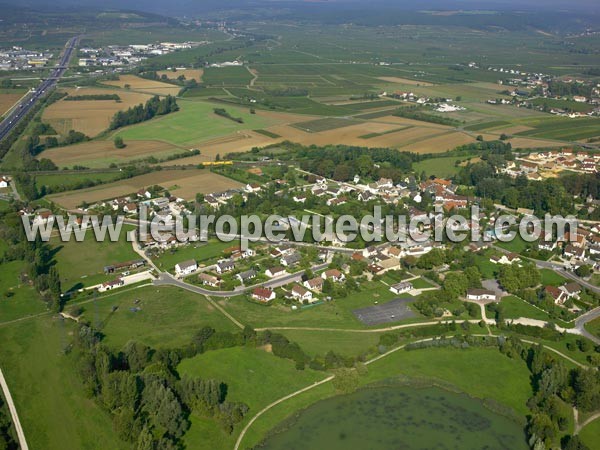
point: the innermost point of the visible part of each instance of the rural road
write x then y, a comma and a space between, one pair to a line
13, 413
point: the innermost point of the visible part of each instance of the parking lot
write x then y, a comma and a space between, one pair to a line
392, 311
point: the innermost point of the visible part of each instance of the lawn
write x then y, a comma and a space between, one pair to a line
550, 277
49, 395
420, 283
167, 316
515, 307
253, 376
194, 122
320, 342
78, 268
17, 299
517, 245
594, 327
590, 434
199, 252
440, 167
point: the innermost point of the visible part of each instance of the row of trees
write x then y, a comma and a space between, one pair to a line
153, 107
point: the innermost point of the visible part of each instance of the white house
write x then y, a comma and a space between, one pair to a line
263, 294
186, 267
107, 286
507, 258
224, 266
300, 293
481, 294
275, 272
4, 182
400, 288
333, 275
209, 280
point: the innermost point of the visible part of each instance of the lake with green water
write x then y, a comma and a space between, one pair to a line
403, 417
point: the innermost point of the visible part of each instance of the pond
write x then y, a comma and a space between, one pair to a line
402, 417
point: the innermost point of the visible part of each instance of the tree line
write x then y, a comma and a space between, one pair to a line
140, 113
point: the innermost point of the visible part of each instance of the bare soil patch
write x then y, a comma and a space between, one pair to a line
181, 183
91, 117
141, 84
102, 153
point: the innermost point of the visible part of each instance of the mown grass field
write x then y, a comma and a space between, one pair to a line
199, 252
440, 167
514, 308
17, 299
194, 122
66, 179
590, 434
550, 277
45, 385
253, 376
167, 317
593, 327
79, 269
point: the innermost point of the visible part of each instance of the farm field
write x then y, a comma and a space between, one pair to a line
439, 143
189, 74
181, 183
8, 97
136, 83
101, 153
193, 123
91, 117
63, 179
440, 167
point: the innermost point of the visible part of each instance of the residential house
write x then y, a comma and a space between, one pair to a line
481, 294
506, 258
301, 293
186, 267
366, 196
300, 198
209, 280
333, 275
314, 284
109, 285
4, 182
246, 275
290, 260
253, 187
573, 252
263, 294
558, 295
400, 288
130, 208
571, 290
275, 271
225, 266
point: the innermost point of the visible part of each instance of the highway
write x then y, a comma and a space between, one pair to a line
21, 110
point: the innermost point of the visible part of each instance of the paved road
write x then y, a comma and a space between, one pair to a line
21, 110
166, 279
13, 413
585, 318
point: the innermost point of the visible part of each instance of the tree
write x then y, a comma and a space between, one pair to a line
119, 142
583, 271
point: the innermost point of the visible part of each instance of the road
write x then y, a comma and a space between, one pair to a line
28, 102
13, 413
166, 279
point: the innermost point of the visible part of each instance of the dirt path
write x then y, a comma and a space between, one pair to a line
579, 426
13, 413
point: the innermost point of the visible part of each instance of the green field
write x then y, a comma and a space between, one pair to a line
514, 308
330, 123
16, 298
590, 434
593, 327
196, 121
79, 269
45, 384
199, 252
444, 167
253, 376
167, 316
487, 125
550, 277
562, 128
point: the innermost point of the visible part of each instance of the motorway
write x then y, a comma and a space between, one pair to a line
21, 110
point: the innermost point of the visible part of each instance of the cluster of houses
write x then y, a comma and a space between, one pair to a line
535, 165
